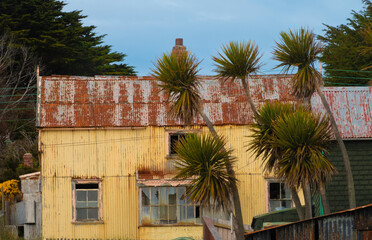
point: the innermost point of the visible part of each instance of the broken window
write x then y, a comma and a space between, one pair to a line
174, 138
167, 205
86, 202
279, 196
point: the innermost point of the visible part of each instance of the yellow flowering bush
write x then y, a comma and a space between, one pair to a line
10, 189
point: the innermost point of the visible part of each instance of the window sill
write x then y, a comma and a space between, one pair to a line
172, 157
87, 222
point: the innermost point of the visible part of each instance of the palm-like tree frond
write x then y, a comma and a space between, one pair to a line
303, 138
204, 159
237, 60
178, 76
299, 49
262, 136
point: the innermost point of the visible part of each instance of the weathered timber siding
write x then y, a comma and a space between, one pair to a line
114, 155
360, 154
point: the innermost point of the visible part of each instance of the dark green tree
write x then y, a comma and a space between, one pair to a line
59, 39
299, 49
344, 52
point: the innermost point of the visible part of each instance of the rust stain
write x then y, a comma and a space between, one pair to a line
122, 101
351, 107
146, 173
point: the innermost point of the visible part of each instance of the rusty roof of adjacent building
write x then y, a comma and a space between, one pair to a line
351, 107
120, 101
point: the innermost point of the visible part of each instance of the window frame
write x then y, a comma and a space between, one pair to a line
74, 205
195, 221
169, 133
268, 200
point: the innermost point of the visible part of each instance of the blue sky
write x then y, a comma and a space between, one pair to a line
144, 29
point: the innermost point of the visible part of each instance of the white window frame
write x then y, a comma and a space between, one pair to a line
74, 207
268, 181
178, 205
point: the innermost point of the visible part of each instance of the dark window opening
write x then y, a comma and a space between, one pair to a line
87, 186
174, 138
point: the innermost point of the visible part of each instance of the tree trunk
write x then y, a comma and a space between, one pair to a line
345, 157
307, 195
238, 217
250, 100
323, 195
297, 202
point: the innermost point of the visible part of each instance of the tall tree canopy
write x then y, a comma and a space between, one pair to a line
345, 47
59, 39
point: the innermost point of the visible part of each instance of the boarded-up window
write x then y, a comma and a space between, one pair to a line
167, 205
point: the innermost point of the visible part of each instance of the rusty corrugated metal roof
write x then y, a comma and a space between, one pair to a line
120, 101
351, 107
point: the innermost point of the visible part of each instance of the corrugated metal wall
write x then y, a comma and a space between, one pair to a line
114, 155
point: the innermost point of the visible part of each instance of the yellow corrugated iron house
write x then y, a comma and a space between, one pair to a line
107, 164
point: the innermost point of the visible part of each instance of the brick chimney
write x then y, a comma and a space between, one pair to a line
27, 160
179, 48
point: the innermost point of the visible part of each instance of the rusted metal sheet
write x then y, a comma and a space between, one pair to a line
351, 107
350, 224
104, 101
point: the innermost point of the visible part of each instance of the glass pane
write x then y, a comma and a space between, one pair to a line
145, 196
154, 195
286, 192
164, 212
172, 195
275, 205
81, 213
181, 195
92, 195
93, 204
81, 195
286, 204
163, 196
274, 191
81, 204
154, 215
173, 213
93, 213
145, 215
182, 213
190, 212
